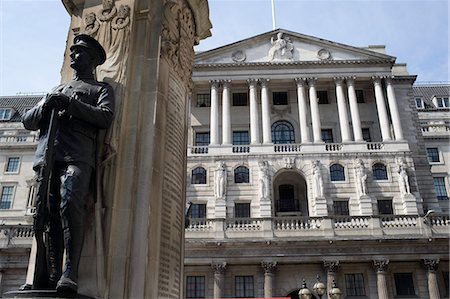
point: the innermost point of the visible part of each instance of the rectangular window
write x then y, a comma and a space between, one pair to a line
443, 102
5, 113
202, 138
240, 99
240, 137
446, 282
203, 100
327, 135
280, 98
439, 187
244, 286
354, 284
198, 211
366, 135
419, 103
322, 95
195, 287
13, 165
404, 284
341, 208
360, 96
433, 154
385, 207
7, 197
242, 210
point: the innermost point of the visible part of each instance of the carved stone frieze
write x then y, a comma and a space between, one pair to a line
91, 24
268, 267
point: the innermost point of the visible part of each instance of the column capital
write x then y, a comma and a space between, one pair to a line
300, 82
264, 81
331, 266
219, 268
388, 79
381, 265
350, 80
225, 83
214, 83
252, 82
431, 264
312, 81
338, 80
268, 267
377, 79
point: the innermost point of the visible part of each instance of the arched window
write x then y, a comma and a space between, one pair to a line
379, 172
198, 176
337, 173
241, 175
282, 132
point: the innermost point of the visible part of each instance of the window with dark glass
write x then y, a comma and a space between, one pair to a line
244, 286
379, 172
240, 137
419, 103
340, 208
366, 135
439, 187
13, 165
443, 102
360, 96
7, 197
280, 97
385, 207
202, 138
241, 175
287, 201
354, 284
404, 284
337, 173
195, 287
242, 210
240, 99
445, 274
322, 95
327, 135
203, 100
282, 132
198, 176
433, 154
5, 113
198, 210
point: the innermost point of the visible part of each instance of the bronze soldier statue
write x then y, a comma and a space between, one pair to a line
80, 109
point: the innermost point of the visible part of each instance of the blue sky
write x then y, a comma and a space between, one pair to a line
33, 33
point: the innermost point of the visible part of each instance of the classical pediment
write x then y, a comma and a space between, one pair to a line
282, 46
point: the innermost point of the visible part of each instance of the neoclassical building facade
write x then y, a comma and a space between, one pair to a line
307, 157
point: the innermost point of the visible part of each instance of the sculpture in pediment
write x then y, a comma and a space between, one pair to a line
282, 48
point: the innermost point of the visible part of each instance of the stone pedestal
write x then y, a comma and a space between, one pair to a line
319, 207
405, 205
361, 206
135, 241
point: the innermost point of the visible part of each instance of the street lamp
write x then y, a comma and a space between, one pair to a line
320, 290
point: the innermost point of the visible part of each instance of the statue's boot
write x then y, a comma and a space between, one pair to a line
55, 252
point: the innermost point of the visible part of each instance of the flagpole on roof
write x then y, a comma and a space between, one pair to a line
273, 16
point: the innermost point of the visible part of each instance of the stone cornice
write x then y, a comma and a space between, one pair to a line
290, 63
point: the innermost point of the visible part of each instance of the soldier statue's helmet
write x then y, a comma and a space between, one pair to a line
92, 46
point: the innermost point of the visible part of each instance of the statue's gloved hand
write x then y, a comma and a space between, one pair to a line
57, 100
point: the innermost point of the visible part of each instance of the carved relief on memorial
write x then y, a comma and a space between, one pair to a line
281, 48
264, 180
91, 24
360, 177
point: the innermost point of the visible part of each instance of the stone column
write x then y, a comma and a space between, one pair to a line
433, 289
269, 269
315, 116
219, 271
381, 267
354, 110
331, 268
342, 110
302, 110
265, 109
393, 107
226, 113
381, 107
1, 281
254, 120
214, 116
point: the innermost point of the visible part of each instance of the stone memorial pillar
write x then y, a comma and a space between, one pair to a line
134, 244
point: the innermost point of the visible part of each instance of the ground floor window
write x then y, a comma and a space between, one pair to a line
244, 286
404, 284
195, 287
354, 284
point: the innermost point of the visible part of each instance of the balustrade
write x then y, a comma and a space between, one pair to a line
243, 224
351, 222
16, 232
286, 148
333, 147
17, 138
200, 224
241, 149
399, 221
295, 223
373, 146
